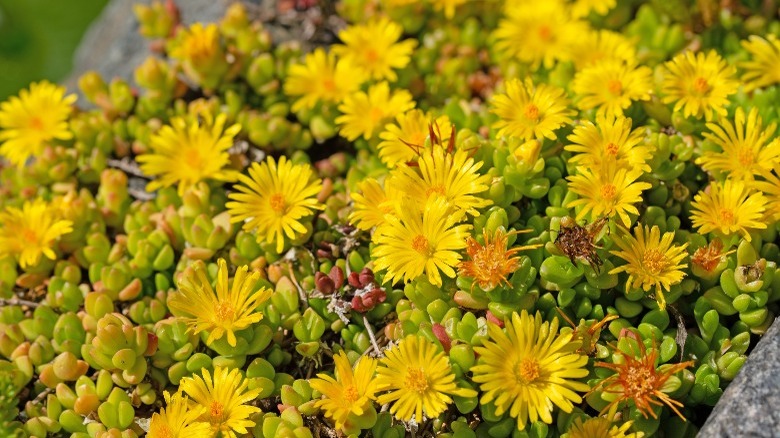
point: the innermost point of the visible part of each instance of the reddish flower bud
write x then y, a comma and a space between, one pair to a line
354, 279
492, 318
366, 277
324, 283
441, 334
337, 275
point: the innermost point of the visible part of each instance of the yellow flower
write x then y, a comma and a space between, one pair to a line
366, 113
528, 368
727, 209
609, 140
225, 399
763, 69
652, 260
274, 198
599, 427
537, 33
448, 6
372, 204
30, 121
320, 78
745, 150
187, 152
419, 378
350, 393
453, 177
225, 311
31, 231
529, 111
594, 46
201, 54
611, 192
403, 140
178, 420
415, 242
611, 86
491, 261
374, 48
583, 8
699, 84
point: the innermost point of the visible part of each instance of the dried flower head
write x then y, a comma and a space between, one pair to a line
710, 256
578, 242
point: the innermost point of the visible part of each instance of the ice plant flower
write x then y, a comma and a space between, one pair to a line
30, 232
372, 203
531, 111
611, 192
746, 149
699, 84
770, 187
374, 48
320, 78
537, 33
638, 381
528, 367
419, 240
418, 379
364, 114
491, 262
30, 121
583, 8
178, 419
221, 312
225, 398
727, 209
453, 177
612, 86
199, 50
351, 393
188, 151
609, 140
763, 69
404, 140
274, 198
600, 427
652, 260
595, 46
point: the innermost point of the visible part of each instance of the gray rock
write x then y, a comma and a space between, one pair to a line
750, 406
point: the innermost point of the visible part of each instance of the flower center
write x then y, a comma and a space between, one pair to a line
224, 312
416, 380
439, 190
36, 123
614, 86
420, 244
371, 56
163, 431
545, 33
376, 115
745, 157
700, 85
329, 84
531, 112
30, 236
527, 371
654, 261
351, 394
277, 203
639, 380
612, 149
726, 217
217, 412
608, 192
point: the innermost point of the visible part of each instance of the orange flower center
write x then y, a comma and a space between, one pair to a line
277, 202
614, 86
420, 244
329, 84
216, 412
531, 112
608, 192
745, 157
224, 312
376, 114
527, 371
351, 394
726, 217
545, 33
700, 85
30, 236
612, 149
639, 380
36, 123
439, 190
654, 261
416, 380
371, 56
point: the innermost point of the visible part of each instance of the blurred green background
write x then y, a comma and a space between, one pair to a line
38, 39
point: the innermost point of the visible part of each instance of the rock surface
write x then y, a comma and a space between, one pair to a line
750, 406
